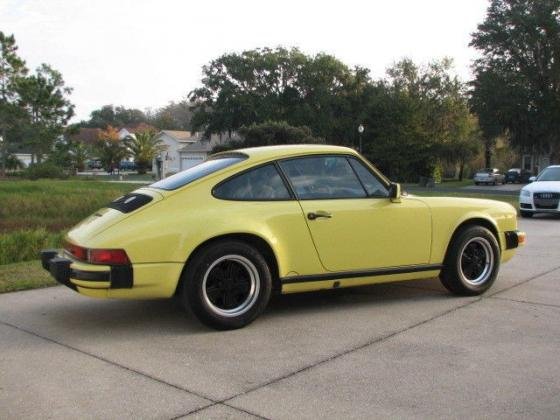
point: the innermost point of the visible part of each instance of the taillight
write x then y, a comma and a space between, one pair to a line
78, 252
98, 256
108, 256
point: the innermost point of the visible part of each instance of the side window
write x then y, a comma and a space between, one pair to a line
260, 184
323, 177
374, 186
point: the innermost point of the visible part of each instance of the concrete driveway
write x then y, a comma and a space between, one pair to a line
399, 350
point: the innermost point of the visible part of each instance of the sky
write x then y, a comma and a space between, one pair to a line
146, 53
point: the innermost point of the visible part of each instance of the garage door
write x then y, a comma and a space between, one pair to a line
190, 161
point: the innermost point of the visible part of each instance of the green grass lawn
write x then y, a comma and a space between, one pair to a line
35, 214
24, 275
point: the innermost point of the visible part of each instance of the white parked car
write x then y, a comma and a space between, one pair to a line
542, 195
489, 176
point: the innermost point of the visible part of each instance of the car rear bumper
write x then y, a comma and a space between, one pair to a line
134, 281
73, 274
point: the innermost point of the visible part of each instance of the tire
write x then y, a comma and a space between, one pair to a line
477, 183
527, 214
469, 279
227, 284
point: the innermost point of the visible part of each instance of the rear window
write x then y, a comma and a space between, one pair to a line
201, 170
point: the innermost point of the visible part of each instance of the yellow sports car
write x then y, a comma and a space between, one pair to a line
228, 232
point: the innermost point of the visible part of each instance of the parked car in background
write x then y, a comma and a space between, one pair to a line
542, 195
224, 234
489, 176
517, 175
94, 164
126, 165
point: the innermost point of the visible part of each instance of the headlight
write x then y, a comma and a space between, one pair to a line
525, 193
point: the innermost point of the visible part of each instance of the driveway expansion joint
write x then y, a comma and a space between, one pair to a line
105, 360
526, 302
336, 356
200, 409
536, 276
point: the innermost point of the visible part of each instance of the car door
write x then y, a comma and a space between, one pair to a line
353, 223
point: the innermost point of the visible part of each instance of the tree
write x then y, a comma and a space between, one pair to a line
173, 116
517, 80
12, 70
144, 147
274, 133
413, 117
115, 116
44, 97
110, 148
278, 85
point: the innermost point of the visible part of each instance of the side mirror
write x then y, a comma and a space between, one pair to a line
395, 192
532, 179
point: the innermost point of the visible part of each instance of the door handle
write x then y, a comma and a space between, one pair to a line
320, 213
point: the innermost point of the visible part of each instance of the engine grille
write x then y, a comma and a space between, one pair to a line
546, 200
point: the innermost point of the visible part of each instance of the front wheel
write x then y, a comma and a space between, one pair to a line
526, 213
472, 262
227, 285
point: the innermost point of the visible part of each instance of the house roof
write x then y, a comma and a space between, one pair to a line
138, 127
199, 146
85, 135
179, 135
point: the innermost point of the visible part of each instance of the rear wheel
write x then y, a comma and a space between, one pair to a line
526, 213
472, 262
227, 285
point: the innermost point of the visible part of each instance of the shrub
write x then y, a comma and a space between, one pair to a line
44, 170
24, 245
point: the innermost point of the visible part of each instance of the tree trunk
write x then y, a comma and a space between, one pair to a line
488, 154
461, 170
3, 154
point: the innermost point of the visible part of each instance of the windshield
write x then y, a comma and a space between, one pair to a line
203, 169
550, 174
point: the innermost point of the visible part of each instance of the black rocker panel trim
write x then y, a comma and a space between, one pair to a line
365, 273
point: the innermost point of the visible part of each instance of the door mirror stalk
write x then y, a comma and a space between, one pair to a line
395, 192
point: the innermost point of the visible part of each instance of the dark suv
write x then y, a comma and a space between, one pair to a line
516, 175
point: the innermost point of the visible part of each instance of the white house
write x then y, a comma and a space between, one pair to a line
185, 149
24, 158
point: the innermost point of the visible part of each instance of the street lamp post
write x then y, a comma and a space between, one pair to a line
360, 130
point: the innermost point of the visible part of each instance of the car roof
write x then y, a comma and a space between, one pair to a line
281, 151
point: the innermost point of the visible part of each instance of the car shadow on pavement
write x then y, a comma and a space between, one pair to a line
91, 317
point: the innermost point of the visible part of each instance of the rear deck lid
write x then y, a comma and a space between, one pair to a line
116, 211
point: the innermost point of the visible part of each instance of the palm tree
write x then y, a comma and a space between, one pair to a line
110, 148
144, 147
80, 153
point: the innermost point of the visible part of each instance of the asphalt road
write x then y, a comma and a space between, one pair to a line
399, 350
